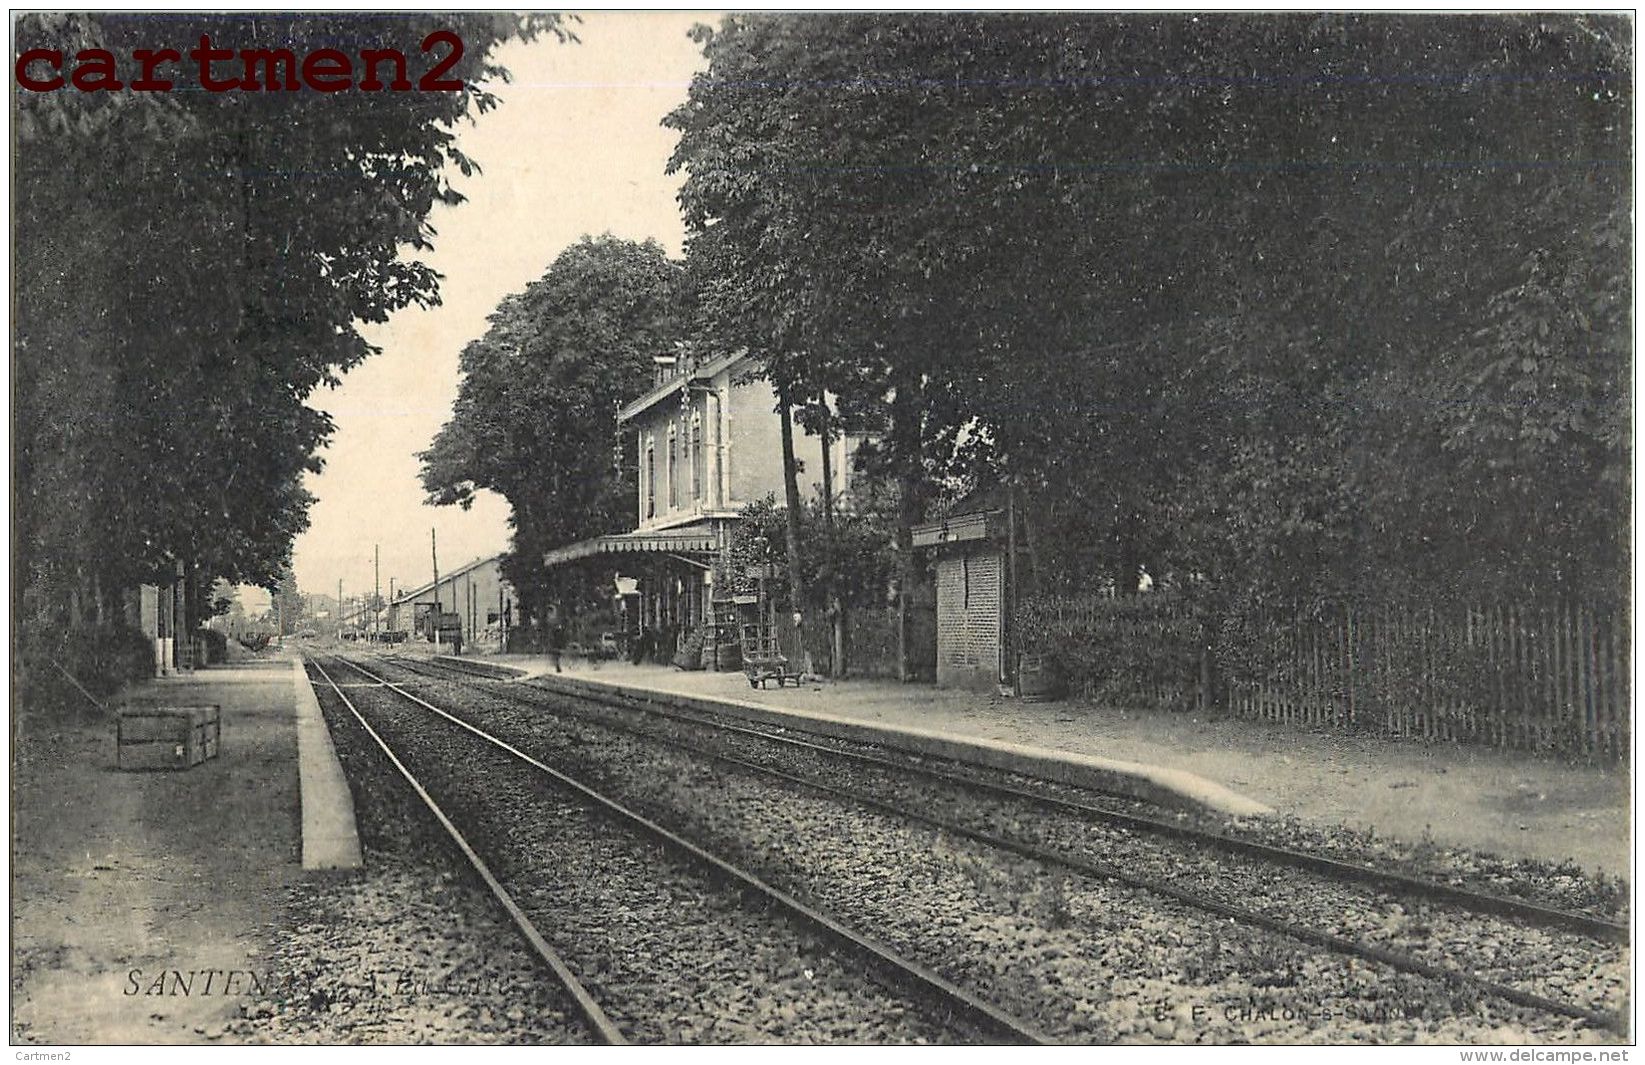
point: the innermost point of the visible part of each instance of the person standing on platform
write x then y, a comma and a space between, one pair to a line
556, 642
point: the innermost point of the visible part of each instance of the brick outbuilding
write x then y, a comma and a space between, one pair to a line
972, 595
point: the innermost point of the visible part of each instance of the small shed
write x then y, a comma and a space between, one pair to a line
972, 594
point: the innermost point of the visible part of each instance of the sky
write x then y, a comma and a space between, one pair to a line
576, 148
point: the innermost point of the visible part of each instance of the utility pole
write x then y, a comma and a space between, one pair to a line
339, 608
434, 553
376, 592
394, 611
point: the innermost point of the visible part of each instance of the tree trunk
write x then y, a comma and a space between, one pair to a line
1033, 582
1128, 557
1208, 700
838, 609
1009, 641
836, 605
905, 441
77, 598
791, 524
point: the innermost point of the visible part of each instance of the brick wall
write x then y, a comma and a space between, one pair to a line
970, 583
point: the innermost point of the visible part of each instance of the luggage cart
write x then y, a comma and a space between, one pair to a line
763, 659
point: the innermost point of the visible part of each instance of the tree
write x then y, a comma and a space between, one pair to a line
192, 267
536, 413
1234, 292
286, 602
799, 264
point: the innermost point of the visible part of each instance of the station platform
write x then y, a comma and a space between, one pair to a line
1503, 802
125, 878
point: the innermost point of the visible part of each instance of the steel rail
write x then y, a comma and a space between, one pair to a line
602, 1025
1338, 944
978, 1008
1103, 870
1405, 884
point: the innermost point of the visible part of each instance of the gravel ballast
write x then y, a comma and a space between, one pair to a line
1557, 885
1151, 961
671, 955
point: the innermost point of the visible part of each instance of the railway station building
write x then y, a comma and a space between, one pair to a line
708, 442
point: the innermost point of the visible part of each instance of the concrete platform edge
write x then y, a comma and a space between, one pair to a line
1148, 782
331, 839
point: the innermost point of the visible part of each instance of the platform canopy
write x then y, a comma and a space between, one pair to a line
691, 539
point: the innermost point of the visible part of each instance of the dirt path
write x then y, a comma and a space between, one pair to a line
120, 880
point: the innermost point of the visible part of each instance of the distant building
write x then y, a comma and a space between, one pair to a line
477, 593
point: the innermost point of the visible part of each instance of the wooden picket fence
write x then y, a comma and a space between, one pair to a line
1526, 677
1532, 678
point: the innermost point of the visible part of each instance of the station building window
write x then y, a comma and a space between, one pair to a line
673, 468
696, 456
650, 479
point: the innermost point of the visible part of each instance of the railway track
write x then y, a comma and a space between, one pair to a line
1394, 884
960, 1011
599, 1024
1391, 881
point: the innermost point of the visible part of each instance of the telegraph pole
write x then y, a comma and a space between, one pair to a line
434, 553
339, 608
376, 592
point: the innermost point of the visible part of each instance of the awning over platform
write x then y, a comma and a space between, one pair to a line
694, 539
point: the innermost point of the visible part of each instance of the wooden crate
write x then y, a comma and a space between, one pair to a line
167, 737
